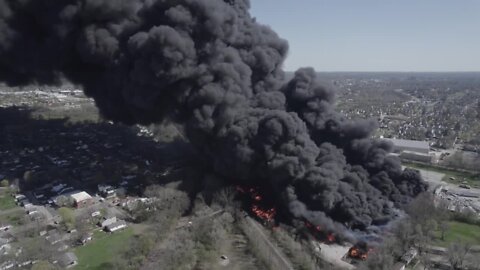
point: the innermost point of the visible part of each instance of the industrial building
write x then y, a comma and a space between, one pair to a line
410, 146
81, 199
412, 150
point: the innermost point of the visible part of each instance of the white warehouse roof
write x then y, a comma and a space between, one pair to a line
410, 143
81, 196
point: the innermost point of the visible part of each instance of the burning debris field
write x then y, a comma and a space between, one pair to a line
209, 67
359, 251
258, 206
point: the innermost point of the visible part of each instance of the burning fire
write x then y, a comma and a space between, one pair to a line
260, 209
359, 253
266, 214
331, 238
319, 233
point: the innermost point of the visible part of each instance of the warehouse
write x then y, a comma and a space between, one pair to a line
410, 146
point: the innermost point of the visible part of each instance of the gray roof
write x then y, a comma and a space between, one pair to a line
398, 266
68, 259
116, 224
410, 143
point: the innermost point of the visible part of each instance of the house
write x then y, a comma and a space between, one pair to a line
6, 238
19, 197
25, 203
409, 256
58, 187
399, 266
85, 238
68, 260
106, 191
60, 246
107, 221
120, 224
121, 191
7, 265
54, 237
130, 203
4, 249
436, 250
81, 199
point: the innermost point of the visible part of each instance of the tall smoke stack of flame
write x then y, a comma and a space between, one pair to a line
211, 67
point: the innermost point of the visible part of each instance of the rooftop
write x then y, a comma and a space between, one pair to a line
81, 196
410, 143
116, 225
68, 259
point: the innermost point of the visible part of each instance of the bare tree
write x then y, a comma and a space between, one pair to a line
68, 217
422, 209
64, 201
443, 226
176, 252
225, 197
425, 260
456, 254
380, 260
474, 261
36, 249
83, 224
166, 206
405, 234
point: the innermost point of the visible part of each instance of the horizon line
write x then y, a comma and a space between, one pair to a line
390, 71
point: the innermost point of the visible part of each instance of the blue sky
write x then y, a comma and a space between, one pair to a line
376, 35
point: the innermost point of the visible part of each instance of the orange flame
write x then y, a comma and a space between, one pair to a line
260, 212
318, 232
267, 215
356, 253
331, 238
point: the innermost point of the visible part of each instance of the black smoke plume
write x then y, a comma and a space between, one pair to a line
208, 65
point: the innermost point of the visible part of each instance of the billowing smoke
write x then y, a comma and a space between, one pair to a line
208, 65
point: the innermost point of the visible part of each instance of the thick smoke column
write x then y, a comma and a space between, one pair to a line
208, 65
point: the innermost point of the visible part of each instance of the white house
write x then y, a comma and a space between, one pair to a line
116, 226
108, 221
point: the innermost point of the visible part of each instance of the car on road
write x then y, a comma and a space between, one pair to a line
465, 186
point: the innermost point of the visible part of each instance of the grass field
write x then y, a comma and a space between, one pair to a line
6, 201
14, 217
458, 177
101, 251
459, 232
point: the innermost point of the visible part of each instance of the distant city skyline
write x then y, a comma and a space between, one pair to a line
376, 35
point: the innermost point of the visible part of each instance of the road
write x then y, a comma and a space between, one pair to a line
435, 180
274, 250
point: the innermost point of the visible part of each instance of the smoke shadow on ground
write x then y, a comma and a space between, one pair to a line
35, 152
